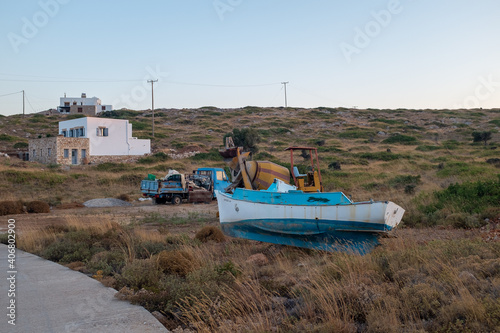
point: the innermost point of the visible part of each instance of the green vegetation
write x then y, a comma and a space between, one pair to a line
155, 158
356, 133
381, 156
120, 114
481, 137
6, 137
248, 138
401, 139
21, 145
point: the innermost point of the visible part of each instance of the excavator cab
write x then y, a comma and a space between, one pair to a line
310, 181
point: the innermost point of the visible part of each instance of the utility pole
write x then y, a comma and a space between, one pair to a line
153, 104
285, 83
23, 103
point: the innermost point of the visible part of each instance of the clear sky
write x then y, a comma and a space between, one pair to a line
234, 53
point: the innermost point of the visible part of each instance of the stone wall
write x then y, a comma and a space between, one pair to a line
43, 150
52, 150
113, 158
88, 110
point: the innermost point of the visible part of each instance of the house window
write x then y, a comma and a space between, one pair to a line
66, 103
71, 133
103, 108
82, 132
74, 103
49, 150
34, 153
66, 153
84, 153
64, 133
102, 131
80, 110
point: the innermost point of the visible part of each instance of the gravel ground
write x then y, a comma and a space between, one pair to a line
106, 202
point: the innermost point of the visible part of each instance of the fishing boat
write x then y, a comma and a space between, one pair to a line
298, 216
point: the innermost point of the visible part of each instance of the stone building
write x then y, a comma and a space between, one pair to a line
89, 140
89, 106
59, 150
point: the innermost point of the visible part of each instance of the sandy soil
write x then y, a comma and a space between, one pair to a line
122, 215
127, 215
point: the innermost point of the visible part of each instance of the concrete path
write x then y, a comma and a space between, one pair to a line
50, 298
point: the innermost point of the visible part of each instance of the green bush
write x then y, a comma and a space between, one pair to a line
112, 167
356, 133
401, 139
381, 156
470, 197
155, 158
212, 155
404, 180
428, 148
140, 273
481, 136
6, 137
245, 137
21, 145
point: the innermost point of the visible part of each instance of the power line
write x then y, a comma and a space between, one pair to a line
68, 81
17, 92
223, 85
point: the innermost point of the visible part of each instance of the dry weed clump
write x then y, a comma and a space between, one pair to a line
11, 207
124, 197
177, 262
210, 233
37, 207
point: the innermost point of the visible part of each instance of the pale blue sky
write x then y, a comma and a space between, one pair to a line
234, 53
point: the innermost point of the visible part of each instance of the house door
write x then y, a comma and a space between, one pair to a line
74, 156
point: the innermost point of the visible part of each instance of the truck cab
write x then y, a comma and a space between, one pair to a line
218, 176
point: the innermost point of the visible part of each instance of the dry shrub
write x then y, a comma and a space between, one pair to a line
238, 309
37, 207
138, 274
124, 197
176, 262
210, 233
76, 265
423, 299
11, 207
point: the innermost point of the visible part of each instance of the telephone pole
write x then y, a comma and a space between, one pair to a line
153, 104
285, 83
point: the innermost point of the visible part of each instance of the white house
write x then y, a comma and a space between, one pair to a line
106, 136
82, 105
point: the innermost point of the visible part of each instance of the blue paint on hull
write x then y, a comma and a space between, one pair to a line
350, 237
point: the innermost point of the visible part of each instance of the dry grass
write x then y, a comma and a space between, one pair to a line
210, 234
37, 207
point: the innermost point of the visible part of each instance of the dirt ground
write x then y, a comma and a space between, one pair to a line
121, 215
206, 212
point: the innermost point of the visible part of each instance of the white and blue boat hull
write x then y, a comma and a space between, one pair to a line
323, 221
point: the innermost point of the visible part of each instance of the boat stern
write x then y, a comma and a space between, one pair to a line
393, 215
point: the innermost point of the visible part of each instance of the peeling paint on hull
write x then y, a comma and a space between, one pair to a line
338, 226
